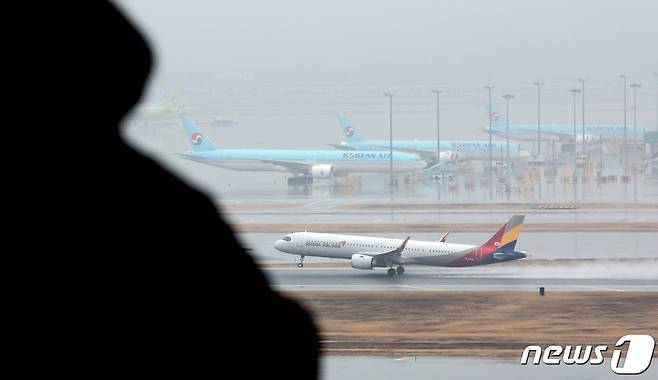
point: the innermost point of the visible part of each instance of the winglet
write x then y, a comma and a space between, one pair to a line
403, 245
444, 238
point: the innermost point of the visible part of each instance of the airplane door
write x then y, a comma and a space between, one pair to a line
300, 241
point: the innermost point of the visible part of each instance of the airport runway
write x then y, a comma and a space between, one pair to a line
367, 211
581, 277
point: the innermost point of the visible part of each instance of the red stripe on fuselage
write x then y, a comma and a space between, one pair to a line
475, 256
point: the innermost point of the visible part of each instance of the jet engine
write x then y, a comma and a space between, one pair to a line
588, 138
449, 156
360, 261
322, 171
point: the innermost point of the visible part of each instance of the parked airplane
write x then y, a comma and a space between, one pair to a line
451, 150
168, 109
305, 165
369, 252
561, 132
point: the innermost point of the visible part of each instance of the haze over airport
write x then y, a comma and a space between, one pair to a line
283, 69
388, 43
269, 75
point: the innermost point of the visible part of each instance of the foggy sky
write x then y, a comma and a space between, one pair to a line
390, 42
283, 68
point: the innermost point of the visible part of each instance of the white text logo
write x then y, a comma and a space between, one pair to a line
637, 360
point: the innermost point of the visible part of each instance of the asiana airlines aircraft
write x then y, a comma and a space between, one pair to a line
366, 252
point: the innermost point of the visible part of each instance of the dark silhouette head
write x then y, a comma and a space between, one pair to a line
154, 281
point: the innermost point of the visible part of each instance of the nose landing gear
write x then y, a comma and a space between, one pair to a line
301, 262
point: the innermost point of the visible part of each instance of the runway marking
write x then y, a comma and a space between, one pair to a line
599, 288
420, 288
496, 287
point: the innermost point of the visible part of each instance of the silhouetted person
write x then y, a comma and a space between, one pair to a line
154, 281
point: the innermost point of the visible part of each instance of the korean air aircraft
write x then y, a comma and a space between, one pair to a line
367, 252
305, 165
451, 150
560, 132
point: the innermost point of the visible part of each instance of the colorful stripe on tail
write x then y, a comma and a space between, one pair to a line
511, 234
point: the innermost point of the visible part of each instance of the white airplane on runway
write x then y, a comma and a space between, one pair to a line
366, 252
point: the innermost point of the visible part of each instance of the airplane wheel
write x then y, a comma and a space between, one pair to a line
400, 270
300, 265
390, 272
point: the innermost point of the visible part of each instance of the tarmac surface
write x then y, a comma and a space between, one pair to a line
575, 275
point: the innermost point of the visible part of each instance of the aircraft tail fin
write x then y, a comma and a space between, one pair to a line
504, 240
497, 120
200, 141
350, 133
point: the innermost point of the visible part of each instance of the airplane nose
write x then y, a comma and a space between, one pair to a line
278, 245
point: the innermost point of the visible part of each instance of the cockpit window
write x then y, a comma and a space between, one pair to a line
287, 238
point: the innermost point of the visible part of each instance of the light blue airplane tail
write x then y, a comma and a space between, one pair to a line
350, 133
200, 142
497, 120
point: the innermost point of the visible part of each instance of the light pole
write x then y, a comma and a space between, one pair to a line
490, 87
538, 84
656, 74
390, 136
582, 89
635, 86
575, 92
506, 167
624, 77
507, 98
438, 130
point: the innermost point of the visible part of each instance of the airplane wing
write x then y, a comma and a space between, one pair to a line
342, 147
397, 251
390, 257
428, 156
565, 136
425, 155
192, 157
292, 166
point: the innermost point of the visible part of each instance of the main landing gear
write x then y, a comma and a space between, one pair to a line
392, 271
301, 262
300, 180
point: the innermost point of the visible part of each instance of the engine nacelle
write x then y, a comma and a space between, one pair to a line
322, 171
588, 138
449, 156
360, 261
